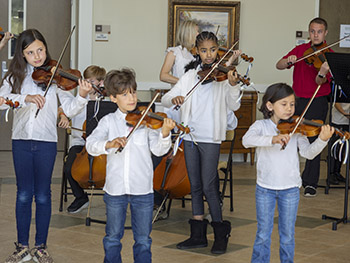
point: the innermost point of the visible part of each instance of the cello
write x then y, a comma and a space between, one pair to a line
82, 173
170, 177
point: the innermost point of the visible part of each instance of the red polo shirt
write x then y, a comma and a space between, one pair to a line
304, 75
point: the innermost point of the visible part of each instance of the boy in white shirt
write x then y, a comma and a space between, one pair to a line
129, 173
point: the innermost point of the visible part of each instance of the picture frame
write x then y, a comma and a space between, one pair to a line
220, 17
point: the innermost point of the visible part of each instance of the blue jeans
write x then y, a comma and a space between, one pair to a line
141, 207
33, 162
287, 202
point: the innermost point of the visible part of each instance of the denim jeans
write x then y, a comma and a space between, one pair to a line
287, 202
141, 207
33, 162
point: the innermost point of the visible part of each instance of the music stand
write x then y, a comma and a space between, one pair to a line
92, 119
339, 64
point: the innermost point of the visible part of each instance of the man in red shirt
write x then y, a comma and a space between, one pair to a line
306, 78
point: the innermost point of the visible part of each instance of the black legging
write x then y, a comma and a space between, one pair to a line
202, 163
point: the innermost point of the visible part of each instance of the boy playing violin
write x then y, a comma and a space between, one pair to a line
129, 174
306, 78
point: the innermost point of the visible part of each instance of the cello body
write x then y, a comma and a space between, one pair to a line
81, 170
170, 176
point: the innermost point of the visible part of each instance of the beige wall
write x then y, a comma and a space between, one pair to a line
139, 35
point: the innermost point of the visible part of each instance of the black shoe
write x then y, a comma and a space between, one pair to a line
78, 204
222, 232
332, 179
198, 236
339, 177
310, 191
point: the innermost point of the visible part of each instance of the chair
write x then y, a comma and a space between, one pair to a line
226, 167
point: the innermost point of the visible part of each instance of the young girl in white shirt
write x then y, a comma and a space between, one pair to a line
278, 173
34, 140
206, 113
129, 174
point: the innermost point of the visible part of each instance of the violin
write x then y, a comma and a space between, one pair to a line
317, 59
220, 74
151, 120
312, 53
309, 128
12, 104
2, 34
243, 56
64, 79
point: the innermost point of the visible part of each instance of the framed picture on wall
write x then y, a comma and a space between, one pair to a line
219, 17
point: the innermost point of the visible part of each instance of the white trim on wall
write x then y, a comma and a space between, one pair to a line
317, 8
85, 30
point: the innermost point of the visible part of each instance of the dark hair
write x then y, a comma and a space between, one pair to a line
205, 35
274, 93
319, 20
18, 65
120, 81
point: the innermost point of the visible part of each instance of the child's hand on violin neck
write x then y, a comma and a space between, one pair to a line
116, 143
326, 132
179, 100
168, 125
233, 77
37, 99
85, 87
282, 139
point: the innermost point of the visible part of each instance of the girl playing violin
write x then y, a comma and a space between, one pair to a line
278, 174
34, 140
206, 111
129, 174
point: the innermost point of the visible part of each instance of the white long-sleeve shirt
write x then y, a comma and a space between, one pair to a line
279, 169
44, 126
129, 171
224, 98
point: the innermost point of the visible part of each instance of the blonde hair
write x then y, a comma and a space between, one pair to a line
186, 34
94, 72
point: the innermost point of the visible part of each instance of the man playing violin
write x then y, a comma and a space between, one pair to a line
306, 78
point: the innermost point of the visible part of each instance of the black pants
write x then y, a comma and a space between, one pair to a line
202, 164
318, 111
78, 192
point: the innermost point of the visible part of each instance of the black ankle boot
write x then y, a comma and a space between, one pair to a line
198, 236
222, 232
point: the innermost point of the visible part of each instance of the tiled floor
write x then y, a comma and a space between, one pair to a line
71, 241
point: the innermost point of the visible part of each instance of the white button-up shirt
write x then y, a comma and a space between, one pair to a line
278, 169
44, 126
129, 171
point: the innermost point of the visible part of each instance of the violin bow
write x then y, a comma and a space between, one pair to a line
318, 51
57, 65
300, 119
177, 107
144, 114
